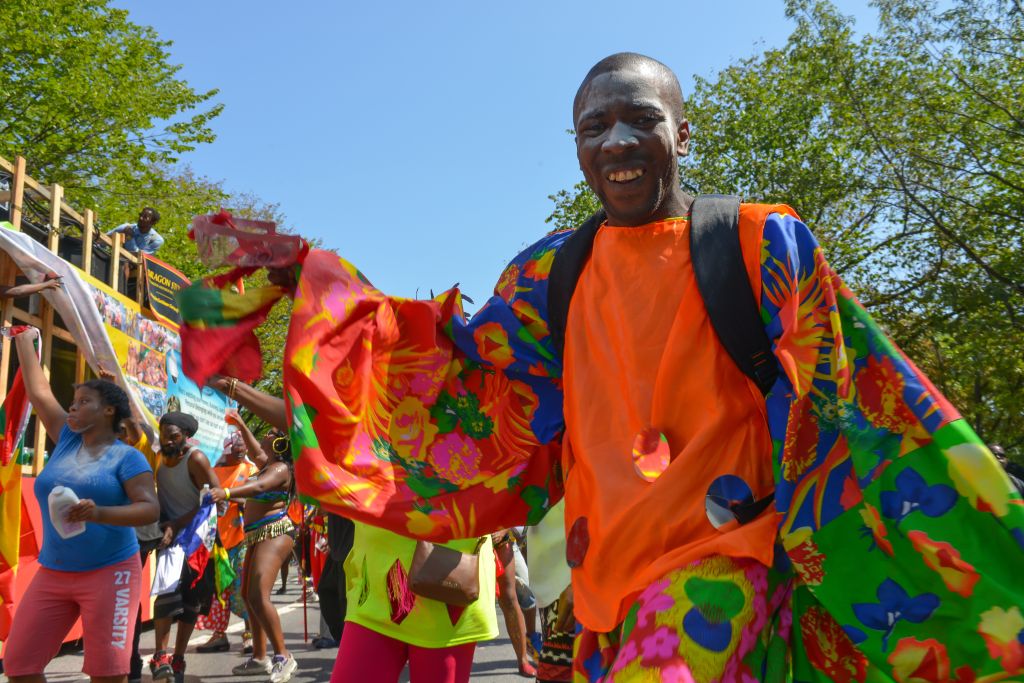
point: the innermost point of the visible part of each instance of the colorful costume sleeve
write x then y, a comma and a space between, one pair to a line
406, 415
904, 532
905, 535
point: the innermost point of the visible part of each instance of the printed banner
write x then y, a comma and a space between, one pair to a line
163, 282
115, 337
148, 353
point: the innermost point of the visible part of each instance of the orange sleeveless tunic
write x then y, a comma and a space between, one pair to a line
640, 353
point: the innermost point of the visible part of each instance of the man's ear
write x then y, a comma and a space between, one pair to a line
683, 138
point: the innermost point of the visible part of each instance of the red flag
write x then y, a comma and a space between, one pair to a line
14, 416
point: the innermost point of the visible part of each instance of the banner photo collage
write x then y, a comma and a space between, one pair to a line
148, 353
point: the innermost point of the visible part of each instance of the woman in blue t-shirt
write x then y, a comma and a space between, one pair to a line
96, 574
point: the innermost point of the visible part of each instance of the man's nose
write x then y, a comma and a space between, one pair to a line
620, 138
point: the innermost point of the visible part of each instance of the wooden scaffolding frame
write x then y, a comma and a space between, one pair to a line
23, 185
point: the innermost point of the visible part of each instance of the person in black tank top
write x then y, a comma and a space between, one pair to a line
183, 471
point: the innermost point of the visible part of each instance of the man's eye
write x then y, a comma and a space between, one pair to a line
592, 130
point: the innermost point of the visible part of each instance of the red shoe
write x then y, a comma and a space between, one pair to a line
178, 667
160, 667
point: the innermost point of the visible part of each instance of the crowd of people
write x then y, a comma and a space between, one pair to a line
103, 447
685, 514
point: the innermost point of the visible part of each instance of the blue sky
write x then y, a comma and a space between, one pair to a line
421, 139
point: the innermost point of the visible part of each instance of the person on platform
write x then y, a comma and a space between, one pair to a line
184, 470
139, 238
719, 526
269, 539
92, 573
141, 235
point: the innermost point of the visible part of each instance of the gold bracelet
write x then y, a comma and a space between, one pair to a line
227, 494
232, 385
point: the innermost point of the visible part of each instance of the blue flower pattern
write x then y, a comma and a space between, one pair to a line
894, 605
914, 494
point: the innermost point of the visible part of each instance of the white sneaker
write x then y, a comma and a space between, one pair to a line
252, 667
282, 668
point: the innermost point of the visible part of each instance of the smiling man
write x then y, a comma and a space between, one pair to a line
630, 129
818, 521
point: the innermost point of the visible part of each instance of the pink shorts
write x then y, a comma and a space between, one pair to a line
107, 599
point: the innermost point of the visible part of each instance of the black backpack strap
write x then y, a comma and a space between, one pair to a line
723, 283
565, 272
721, 279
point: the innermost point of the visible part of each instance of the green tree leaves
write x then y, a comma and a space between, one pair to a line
93, 102
902, 150
85, 94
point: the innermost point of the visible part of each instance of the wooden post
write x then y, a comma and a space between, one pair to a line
53, 239
46, 332
46, 339
80, 366
140, 279
7, 275
18, 191
115, 259
87, 229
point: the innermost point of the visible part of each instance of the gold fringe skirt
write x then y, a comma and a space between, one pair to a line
268, 531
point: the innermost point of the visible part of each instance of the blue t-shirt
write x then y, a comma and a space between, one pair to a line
135, 240
102, 481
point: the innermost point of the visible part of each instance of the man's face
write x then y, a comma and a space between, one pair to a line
234, 453
628, 138
172, 440
146, 220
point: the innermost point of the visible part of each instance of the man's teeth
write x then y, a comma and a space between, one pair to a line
625, 176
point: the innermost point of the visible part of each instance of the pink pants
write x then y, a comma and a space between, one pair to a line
107, 599
366, 656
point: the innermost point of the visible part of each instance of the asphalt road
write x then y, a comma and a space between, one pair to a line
494, 661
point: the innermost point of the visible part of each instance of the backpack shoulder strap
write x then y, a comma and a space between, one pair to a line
565, 272
725, 287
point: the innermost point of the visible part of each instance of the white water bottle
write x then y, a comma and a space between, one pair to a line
60, 500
